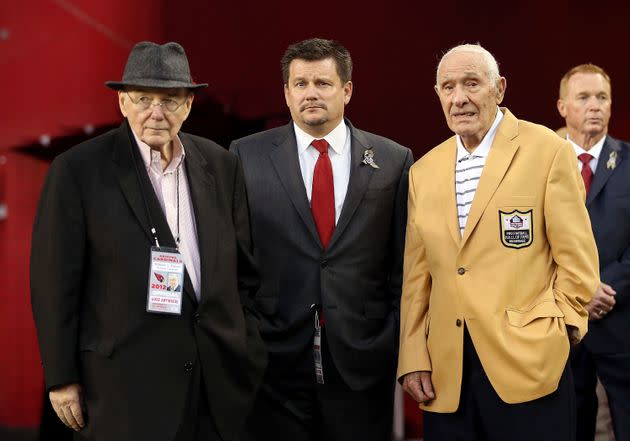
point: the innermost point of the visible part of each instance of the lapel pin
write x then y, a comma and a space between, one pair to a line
368, 158
612, 160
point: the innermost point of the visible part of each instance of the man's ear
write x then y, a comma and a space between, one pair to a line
562, 107
347, 92
122, 97
188, 104
501, 86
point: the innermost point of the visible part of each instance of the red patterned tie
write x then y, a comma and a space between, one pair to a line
587, 173
323, 194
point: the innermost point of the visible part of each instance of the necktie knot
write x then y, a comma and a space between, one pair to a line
321, 145
585, 159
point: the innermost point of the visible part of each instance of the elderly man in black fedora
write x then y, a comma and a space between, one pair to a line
125, 358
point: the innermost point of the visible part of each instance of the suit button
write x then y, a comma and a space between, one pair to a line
197, 318
458, 323
188, 366
324, 263
461, 271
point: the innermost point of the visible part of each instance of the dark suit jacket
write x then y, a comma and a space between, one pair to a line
89, 271
356, 280
608, 205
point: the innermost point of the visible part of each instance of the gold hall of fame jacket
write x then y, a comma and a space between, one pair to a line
522, 272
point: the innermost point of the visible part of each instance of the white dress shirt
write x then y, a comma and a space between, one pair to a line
595, 152
165, 186
468, 169
339, 153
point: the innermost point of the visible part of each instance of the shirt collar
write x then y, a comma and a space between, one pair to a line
152, 158
336, 138
594, 151
483, 149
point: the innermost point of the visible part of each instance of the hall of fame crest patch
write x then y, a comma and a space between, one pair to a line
516, 228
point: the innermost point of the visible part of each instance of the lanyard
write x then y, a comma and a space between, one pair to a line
177, 197
137, 161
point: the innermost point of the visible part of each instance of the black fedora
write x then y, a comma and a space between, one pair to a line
156, 66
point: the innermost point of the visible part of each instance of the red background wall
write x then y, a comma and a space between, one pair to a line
56, 54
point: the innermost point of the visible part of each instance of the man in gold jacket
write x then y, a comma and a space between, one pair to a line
499, 263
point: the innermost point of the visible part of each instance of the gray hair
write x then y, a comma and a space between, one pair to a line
492, 67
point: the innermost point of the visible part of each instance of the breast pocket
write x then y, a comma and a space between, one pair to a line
516, 221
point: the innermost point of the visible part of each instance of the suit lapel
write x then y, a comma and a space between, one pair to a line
284, 158
445, 181
125, 171
202, 187
603, 172
360, 175
503, 149
137, 189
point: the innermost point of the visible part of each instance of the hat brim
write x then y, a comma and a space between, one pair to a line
154, 84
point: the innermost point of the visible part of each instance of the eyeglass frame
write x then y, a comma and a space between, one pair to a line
161, 103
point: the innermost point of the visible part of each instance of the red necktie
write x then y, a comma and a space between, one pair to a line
587, 173
323, 194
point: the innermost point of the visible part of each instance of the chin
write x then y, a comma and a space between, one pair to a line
316, 121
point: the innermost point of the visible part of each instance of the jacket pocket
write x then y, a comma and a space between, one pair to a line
521, 318
104, 347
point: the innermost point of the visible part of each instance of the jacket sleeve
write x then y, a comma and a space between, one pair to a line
56, 273
569, 232
416, 291
617, 275
248, 277
398, 236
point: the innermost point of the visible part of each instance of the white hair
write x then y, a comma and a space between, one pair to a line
492, 67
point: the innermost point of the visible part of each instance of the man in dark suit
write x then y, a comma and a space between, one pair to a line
585, 103
327, 205
116, 213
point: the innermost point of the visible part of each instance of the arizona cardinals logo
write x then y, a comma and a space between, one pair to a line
159, 277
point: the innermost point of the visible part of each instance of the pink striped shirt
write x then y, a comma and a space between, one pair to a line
165, 186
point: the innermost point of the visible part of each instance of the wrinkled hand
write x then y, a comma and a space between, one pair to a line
602, 303
418, 385
574, 335
67, 402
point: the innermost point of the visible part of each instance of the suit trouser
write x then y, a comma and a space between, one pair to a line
613, 371
483, 416
303, 410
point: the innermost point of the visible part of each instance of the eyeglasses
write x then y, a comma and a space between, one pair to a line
145, 102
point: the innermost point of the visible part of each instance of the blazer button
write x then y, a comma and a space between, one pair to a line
324, 263
458, 323
461, 271
197, 318
188, 366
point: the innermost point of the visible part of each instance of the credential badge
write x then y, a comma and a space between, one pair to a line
516, 228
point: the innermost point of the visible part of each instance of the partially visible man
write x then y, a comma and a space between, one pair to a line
125, 358
585, 104
327, 204
499, 263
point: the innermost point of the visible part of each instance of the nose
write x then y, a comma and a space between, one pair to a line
156, 111
310, 92
593, 104
459, 96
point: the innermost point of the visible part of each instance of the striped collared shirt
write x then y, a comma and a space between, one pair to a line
468, 168
165, 186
